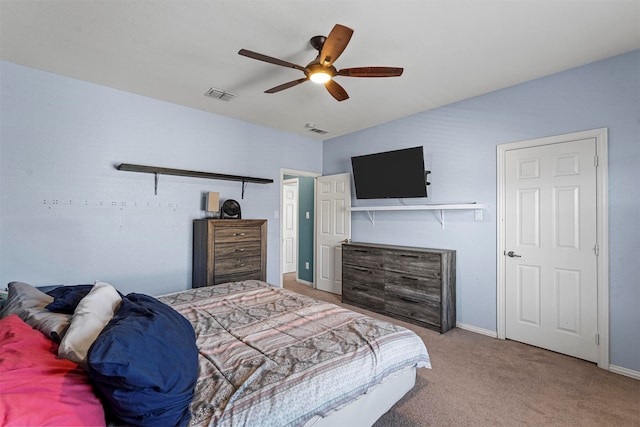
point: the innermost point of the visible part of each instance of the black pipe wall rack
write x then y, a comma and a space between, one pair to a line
194, 174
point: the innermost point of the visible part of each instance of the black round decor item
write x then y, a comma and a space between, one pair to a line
231, 209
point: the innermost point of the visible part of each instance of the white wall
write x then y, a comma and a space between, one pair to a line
68, 216
460, 149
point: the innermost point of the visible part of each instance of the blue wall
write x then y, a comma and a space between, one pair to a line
68, 216
306, 228
460, 149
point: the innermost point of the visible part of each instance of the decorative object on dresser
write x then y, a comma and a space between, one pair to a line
231, 209
212, 203
227, 250
417, 285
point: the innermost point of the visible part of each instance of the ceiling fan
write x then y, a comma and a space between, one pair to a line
321, 69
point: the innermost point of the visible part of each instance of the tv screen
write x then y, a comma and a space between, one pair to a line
392, 174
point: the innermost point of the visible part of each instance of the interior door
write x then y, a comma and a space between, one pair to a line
290, 225
551, 247
333, 226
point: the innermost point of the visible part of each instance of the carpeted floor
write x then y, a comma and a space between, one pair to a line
481, 381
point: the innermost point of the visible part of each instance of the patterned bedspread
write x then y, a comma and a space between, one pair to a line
271, 357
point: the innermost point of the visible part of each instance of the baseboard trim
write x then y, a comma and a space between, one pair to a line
481, 331
304, 282
613, 368
625, 371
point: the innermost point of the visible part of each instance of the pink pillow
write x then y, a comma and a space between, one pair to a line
37, 387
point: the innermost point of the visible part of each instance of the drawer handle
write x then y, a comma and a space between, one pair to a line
239, 250
361, 250
240, 265
410, 256
361, 269
239, 234
410, 300
356, 288
409, 278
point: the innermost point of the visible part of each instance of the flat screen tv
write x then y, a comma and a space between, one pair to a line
392, 174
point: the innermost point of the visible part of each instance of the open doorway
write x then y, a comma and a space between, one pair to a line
301, 270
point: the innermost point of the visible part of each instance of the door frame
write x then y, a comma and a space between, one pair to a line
283, 172
602, 230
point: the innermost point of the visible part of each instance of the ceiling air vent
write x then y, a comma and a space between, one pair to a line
220, 94
318, 131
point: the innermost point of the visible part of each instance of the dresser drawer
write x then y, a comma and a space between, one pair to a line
237, 277
414, 263
236, 234
362, 256
232, 265
412, 286
412, 308
359, 274
237, 250
371, 297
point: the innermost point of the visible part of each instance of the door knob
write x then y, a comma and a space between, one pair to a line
513, 254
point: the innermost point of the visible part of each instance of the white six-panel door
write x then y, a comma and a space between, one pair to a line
290, 225
333, 226
550, 247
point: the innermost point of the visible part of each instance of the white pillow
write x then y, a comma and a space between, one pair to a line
92, 314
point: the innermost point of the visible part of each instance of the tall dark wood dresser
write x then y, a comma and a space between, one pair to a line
227, 250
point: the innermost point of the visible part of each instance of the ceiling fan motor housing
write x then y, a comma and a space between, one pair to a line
317, 42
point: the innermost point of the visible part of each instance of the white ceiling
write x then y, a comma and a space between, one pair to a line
450, 50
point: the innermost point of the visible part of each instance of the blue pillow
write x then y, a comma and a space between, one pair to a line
145, 363
66, 298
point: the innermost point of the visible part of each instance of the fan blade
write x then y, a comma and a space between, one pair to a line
336, 90
286, 85
335, 44
371, 72
269, 59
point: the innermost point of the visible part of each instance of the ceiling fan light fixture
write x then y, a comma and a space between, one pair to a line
321, 70
320, 77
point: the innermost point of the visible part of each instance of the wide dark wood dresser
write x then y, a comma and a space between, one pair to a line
417, 285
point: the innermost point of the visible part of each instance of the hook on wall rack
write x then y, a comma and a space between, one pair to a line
194, 174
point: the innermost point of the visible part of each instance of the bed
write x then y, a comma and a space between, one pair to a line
239, 353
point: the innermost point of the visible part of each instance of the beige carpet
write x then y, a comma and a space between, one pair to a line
481, 381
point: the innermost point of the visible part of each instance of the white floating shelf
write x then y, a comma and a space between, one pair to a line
436, 207
417, 207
